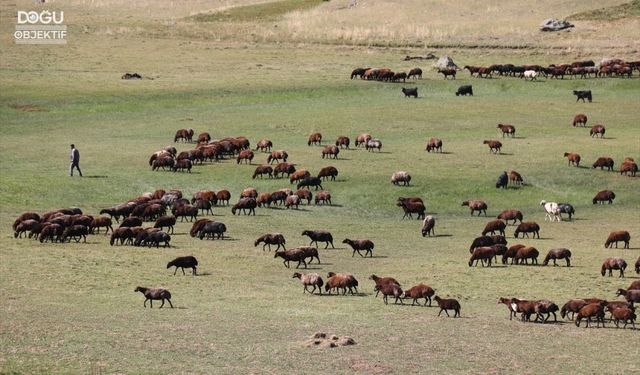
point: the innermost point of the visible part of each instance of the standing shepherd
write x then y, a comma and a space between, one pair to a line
75, 160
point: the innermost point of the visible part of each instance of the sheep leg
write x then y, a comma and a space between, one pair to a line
385, 299
354, 253
182, 270
162, 303
174, 272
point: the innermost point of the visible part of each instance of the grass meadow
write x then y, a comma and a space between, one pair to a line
70, 308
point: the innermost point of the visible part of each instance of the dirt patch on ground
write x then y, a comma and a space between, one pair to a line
27, 108
322, 340
360, 365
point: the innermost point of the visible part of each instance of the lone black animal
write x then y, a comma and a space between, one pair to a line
465, 90
582, 94
410, 92
503, 180
184, 262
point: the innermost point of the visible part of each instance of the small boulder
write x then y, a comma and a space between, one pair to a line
553, 24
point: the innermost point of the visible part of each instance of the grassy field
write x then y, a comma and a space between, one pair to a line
70, 308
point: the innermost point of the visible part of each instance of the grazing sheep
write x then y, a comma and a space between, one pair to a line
391, 290
155, 294
292, 201
165, 222
420, 291
617, 236
624, 314
323, 197
299, 175
526, 308
319, 236
262, 170
310, 279
155, 238
184, 262
507, 130
580, 119
566, 208
613, 263
448, 72
310, 181
415, 73
204, 205
271, 239
264, 199
527, 227
494, 146
282, 168
296, 255
572, 158
596, 130
342, 281
558, 254
592, 310
632, 296
329, 171
26, 216
604, 196
482, 254
343, 141
448, 304
359, 245
428, 225
634, 285
204, 137
362, 139
503, 181
381, 281
408, 92
245, 204
373, 143
186, 211
493, 226
527, 253
124, 234
465, 90
304, 195
476, 205
264, 145
51, 232
310, 252
24, 226
75, 232
434, 144
401, 177
212, 230
223, 196
603, 162
629, 167
412, 207
511, 214
515, 178
572, 306
480, 242
315, 138
277, 156
330, 151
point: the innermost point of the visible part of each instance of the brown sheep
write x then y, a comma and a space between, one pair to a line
342, 281
515, 178
476, 205
507, 302
359, 245
277, 156
309, 279
572, 158
558, 254
420, 291
298, 175
480, 242
204, 137
249, 193
596, 130
412, 207
264, 145
592, 310
292, 201
545, 307
572, 306
493, 226
447, 72
615, 237
24, 226
271, 239
507, 130
494, 146
185, 134
381, 281
482, 254
246, 155
131, 221
391, 290
634, 285
343, 141
26, 216
223, 196
329, 171
124, 234
511, 214
527, 227
208, 195
629, 167
362, 139
330, 151
292, 255
315, 138
282, 168
580, 119
323, 197
165, 222
152, 294
262, 170
304, 194
448, 304
613, 263
526, 308
632, 296
604, 196
264, 199
52, 232
434, 144
527, 253
245, 204
319, 236
603, 162
278, 197
625, 314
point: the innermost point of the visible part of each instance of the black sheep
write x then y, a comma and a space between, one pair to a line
503, 180
184, 262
